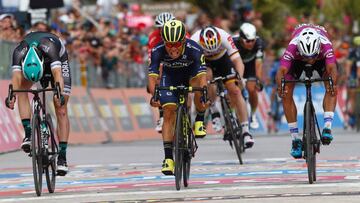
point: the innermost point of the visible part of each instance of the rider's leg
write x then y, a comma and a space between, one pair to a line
238, 102
215, 113
291, 117
329, 103
199, 81
253, 100
167, 134
25, 113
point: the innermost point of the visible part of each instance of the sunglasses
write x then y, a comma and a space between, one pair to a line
249, 40
173, 44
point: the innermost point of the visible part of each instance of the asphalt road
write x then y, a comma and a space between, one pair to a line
130, 172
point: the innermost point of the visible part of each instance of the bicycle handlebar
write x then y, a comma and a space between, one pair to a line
56, 90
220, 78
181, 88
307, 81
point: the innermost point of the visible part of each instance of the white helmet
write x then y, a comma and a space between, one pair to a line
162, 18
248, 31
309, 42
210, 38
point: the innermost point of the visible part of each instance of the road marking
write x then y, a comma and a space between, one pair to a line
196, 191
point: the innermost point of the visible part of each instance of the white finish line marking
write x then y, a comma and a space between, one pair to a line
198, 191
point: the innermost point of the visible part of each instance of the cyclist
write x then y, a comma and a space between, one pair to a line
182, 60
251, 48
40, 54
154, 39
222, 57
353, 78
309, 45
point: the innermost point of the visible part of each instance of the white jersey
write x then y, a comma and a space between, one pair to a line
227, 45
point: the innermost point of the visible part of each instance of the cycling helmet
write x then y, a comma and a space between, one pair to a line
248, 31
173, 31
210, 38
309, 42
32, 65
162, 18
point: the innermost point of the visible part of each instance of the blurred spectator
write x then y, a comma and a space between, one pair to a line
8, 27
106, 8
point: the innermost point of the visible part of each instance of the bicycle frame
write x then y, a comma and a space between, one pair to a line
232, 125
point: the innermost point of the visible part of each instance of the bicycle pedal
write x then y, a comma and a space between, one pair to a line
61, 173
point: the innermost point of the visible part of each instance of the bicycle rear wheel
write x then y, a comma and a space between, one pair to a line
36, 153
310, 134
233, 129
50, 170
179, 140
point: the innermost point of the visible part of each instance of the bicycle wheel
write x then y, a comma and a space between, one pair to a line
187, 152
179, 137
232, 128
50, 170
36, 153
309, 134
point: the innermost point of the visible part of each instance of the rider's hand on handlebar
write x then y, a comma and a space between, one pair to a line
154, 103
281, 93
10, 103
59, 101
259, 85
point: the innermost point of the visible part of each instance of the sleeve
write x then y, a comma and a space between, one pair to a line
329, 54
18, 55
52, 51
155, 62
228, 43
199, 63
288, 56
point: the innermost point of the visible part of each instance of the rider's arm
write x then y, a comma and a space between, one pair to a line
259, 58
16, 79
238, 63
154, 69
56, 72
281, 74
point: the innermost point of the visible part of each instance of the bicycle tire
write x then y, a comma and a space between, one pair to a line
309, 133
50, 170
357, 111
36, 153
178, 147
230, 121
187, 153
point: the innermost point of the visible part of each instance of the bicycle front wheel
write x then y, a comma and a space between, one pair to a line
36, 153
309, 135
50, 170
233, 129
179, 140
188, 152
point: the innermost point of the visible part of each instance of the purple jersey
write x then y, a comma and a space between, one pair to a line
291, 53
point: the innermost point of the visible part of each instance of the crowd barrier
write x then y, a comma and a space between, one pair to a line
124, 114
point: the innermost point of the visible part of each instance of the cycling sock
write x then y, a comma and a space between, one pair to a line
27, 127
245, 127
328, 118
62, 152
294, 130
161, 112
168, 149
215, 115
200, 115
